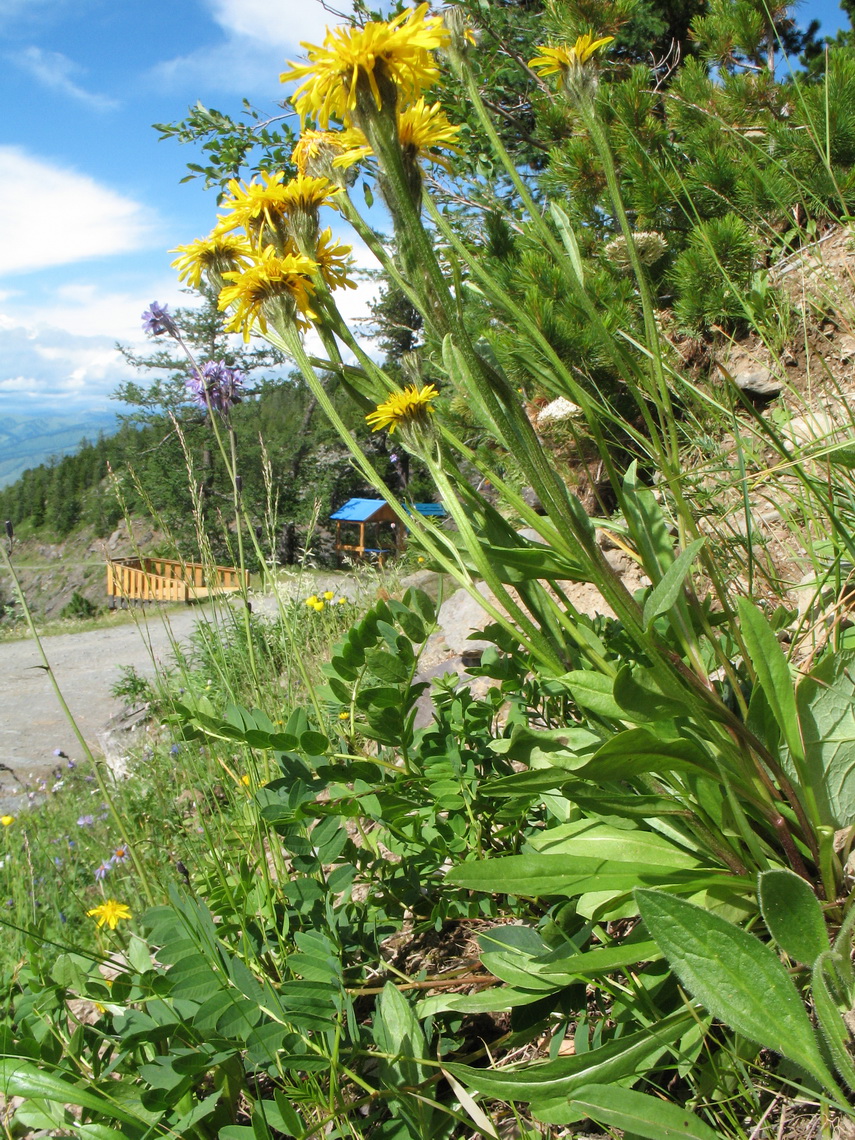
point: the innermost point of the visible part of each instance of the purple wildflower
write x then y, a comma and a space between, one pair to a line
156, 320
86, 821
217, 383
72, 764
175, 749
102, 871
120, 855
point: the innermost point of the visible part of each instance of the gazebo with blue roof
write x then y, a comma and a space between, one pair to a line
387, 533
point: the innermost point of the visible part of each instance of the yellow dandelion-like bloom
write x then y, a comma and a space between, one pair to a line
312, 146
557, 60
403, 408
344, 716
109, 913
271, 277
245, 780
341, 602
420, 129
251, 204
328, 595
334, 261
399, 49
7, 820
318, 606
306, 193
219, 251
312, 600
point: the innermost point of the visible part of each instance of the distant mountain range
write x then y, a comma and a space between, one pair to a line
27, 440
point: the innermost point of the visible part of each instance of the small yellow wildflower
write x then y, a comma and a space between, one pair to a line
334, 261
341, 602
398, 49
251, 204
420, 129
312, 600
245, 780
7, 820
318, 606
328, 595
219, 251
406, 407
558, 60
344, 716
313, 147
421, 559
109, 913
270, 278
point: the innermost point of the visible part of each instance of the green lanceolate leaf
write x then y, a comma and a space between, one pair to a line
826, 706
640, 1114
593, 691
622, 1060
22, 1078
568, 240
637, 751
541, 876
669, 587
738, 978
793, 915
835, 1033
773, 673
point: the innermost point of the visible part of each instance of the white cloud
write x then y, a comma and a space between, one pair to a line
260, 37
283, 22
56, 71
54, 216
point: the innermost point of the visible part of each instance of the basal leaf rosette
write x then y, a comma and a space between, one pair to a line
367, 60
276, 287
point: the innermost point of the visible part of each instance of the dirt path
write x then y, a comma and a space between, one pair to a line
86, 666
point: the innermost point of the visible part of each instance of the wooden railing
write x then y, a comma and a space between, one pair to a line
168, 580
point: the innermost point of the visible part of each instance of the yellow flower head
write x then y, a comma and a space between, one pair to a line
344, 716
318, 605
7, 820
559, 60
398, 49
313, 147
109, 913
311, 601
328, 595
220, 252
403, 408
245, 780
271, 278
341, 602
334, 261
420, 129
306, 194
252, 204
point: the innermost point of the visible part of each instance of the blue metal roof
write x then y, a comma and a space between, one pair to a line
358, 510
361, 510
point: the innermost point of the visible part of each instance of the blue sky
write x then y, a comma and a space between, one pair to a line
90, 201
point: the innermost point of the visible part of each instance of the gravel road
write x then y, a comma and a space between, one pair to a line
86, 666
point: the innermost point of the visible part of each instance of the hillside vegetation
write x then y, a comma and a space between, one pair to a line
598, 878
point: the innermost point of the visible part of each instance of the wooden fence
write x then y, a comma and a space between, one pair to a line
167, 580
